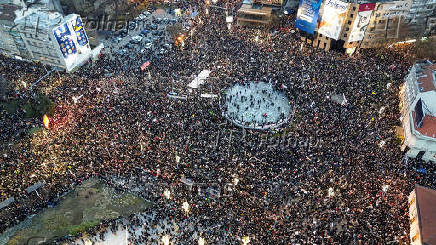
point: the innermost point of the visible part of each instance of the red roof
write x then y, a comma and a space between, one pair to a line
427, 82
428, 125
426, 204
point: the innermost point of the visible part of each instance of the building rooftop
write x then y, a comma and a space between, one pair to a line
7, 11
424, 113
426, 204
425, 74
428, 127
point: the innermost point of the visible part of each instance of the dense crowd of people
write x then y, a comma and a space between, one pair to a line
318, 180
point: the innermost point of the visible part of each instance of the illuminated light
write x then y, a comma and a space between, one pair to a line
331, 192
235, 181
167, 194
201, 241
166, 240
256, 39
46, 121
385, 188
185, 207
245, 240
350, 51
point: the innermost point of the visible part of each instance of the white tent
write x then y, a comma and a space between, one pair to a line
200, 79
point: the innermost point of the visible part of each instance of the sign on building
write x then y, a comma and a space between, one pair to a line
361, 22
77, 26
65, 41
333, 18
307, 15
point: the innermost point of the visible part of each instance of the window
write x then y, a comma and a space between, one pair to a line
415, 237
354, 8
345, 35
349, 22
412, 219
347, 29
351, 15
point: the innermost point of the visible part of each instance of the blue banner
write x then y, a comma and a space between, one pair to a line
82, 39
66, 44
307, 15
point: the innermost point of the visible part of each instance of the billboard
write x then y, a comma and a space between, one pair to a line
307, 15
333, 18
63, 37
361, 22
79, 31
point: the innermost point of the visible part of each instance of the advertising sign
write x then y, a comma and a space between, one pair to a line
333, 18
361, 22
81, 37
63, 37
307, 15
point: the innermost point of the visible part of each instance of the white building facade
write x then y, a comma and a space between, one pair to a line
418, 111
46, 36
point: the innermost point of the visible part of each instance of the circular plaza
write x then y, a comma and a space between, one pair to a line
256, 105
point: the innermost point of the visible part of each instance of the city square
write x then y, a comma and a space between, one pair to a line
280, 143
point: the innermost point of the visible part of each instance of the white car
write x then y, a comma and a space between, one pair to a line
148, 45
137, 38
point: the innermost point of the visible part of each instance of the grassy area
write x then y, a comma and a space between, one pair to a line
35, 107
80, 210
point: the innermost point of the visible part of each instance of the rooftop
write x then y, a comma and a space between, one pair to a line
426, 84
7, 11
425, 74
428, 127
426, 203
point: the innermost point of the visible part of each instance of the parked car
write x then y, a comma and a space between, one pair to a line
148, 45
132, 26
134, 41
137, 38
121, 33
117, 39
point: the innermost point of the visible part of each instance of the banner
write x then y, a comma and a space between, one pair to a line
333, 18
77, 25
65, 41
145, 65
307, 15
361, 22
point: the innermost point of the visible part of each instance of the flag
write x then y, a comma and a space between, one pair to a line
145, 65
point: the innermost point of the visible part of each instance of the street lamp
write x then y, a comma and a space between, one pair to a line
185, 207
245, 240
201, 241
167, 194
166, 240
235, 181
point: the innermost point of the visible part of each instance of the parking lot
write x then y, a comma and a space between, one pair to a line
145, 38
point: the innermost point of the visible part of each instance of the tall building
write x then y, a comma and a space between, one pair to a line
418, 111
422, 216
36, 32
361, 24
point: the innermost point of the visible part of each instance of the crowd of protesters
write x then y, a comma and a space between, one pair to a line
322, 179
